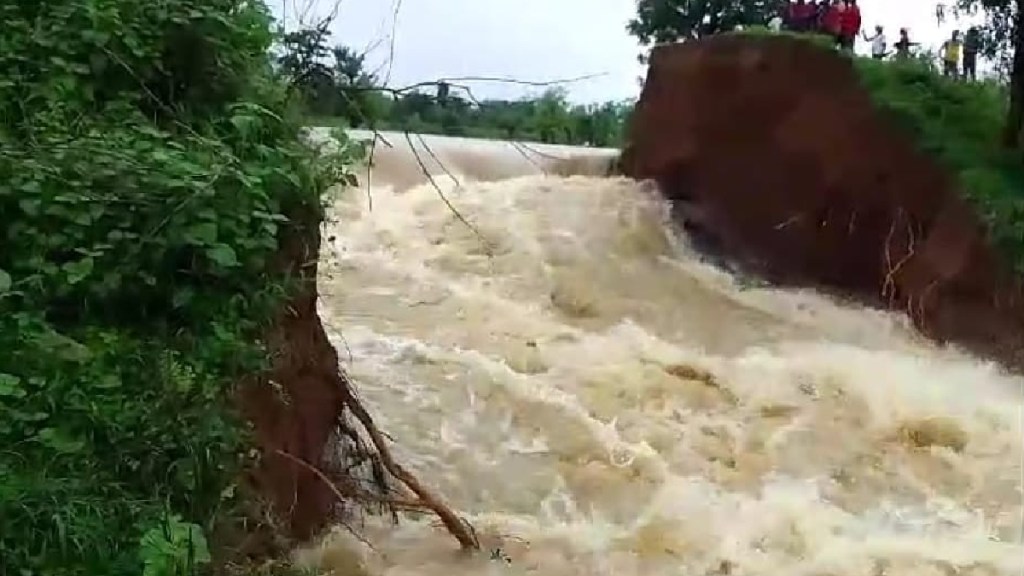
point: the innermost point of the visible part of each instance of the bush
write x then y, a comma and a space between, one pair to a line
960, 124
148, 159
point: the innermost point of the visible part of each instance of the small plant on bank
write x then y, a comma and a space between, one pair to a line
148, 160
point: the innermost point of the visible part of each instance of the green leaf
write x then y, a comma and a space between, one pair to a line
182, 297
223, 255
29, 206
202, 233
9, 386
5, 282
108, 382
62, 347
60, 441
77, 271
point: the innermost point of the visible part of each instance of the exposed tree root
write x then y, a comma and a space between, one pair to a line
343, 476
458, 527
889, 283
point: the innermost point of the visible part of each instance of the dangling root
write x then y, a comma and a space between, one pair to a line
458, 527
383, 467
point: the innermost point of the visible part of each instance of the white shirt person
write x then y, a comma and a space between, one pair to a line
878, 43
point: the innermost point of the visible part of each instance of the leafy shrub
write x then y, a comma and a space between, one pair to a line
960, 124
148, 159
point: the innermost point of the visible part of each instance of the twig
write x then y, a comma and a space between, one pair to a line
459, 528
330, 485
434, 157
889, 284
521, 148
348, 349
391, 43
444, 198
925, 294
460, 83
540, 153
533, 83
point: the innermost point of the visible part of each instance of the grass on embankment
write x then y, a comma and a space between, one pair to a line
958, 123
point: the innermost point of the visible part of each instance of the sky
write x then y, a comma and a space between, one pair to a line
532, 40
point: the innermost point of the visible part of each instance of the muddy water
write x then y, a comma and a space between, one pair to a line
598, 400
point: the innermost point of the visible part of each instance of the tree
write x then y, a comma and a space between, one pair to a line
339, 88
1003, 41
659, 21
304, 64
352, 84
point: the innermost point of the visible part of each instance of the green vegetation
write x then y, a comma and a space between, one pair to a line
659, 21
960, 124
338, 91
148, 159
549, 118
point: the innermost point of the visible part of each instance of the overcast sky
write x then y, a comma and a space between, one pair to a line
535, 40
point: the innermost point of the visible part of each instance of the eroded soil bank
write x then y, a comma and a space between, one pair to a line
775, 154
321, 455
296, 409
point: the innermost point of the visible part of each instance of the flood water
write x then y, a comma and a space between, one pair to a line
597, 399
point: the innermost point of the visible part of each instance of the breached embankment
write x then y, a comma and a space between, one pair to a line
598, 399
304, 412
775, 154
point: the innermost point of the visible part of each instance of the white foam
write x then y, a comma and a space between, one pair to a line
598, 400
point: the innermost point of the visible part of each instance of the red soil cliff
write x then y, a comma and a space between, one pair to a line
320, 454
297, 408
777, 154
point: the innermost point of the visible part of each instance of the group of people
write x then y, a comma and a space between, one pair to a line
961, 54
841, 19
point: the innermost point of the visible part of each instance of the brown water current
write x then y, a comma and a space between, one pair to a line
597, 399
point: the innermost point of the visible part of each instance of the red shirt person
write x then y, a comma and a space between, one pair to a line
832, 23
800, 15
849, 24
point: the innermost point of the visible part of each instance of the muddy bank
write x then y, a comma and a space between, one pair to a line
297, 407
321, 458
775, 155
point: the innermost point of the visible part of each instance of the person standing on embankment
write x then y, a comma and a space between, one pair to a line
849, 26
972, 42
951, 55
903, 45
878, 43
832, 24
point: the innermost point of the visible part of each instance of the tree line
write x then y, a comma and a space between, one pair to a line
337, 89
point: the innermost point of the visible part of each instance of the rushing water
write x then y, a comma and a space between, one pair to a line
596, 399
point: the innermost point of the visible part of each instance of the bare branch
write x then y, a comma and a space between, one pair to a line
444, 198
458, 527
391, 43
461, 81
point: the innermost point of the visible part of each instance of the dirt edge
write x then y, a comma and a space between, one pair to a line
321, 458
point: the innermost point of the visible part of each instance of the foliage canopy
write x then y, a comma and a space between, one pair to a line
148, 159
659, 21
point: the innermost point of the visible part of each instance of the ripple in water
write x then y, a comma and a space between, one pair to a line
597, 400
